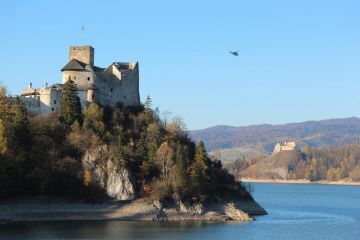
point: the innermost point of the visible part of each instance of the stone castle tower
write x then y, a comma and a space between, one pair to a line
83, 54
118, 83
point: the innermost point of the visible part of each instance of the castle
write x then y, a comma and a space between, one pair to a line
288, 146
118, 83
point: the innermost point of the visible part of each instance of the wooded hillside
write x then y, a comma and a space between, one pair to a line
330, 163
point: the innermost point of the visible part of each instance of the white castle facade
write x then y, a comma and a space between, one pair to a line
118, 83
287, 146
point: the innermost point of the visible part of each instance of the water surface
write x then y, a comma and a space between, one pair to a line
295, 212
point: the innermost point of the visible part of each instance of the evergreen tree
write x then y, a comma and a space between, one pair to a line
70, 104
148, 103
18, 164
119, 158
20, 123
199, 168
148, 109
201, 157
153, 133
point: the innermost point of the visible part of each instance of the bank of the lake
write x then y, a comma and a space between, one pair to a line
298, 181
54, 209
296, 212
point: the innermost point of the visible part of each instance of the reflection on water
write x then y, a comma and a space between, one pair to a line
295, 212
102, 230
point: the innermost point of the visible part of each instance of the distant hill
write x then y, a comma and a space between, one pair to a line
326, 164
230, 143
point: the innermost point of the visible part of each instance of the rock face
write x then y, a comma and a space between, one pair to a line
119, 185
236, 214
116, 182
192, 209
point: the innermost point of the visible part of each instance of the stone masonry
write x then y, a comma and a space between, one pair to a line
287, 146
118, 83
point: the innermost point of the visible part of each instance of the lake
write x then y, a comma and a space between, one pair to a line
296, 211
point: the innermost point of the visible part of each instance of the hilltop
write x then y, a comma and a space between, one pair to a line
230, 143
322, 164
126, 155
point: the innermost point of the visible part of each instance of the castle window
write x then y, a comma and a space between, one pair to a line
88, 78
111, 90
52, 109
54, 101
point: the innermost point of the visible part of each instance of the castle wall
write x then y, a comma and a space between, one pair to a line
277, 148
83, 98
47, 101
32, 104
83, 79
124, 85
107, 88
130, 91
119, 83
288, 146
83, 54
50, 101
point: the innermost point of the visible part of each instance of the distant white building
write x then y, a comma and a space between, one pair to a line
287, 146
118, 83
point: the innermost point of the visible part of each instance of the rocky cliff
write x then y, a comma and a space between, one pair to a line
117, 183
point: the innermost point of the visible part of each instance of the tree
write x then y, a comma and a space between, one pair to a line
3, 141
164, 156
87, 178
201, 157
4, 112
148, 104
176, 127
152, 141
180, 176
119, 157
93, 118
21, 133
70, 105
153, 137
148, 109
199, 167
4, 104
355, 174
18, 155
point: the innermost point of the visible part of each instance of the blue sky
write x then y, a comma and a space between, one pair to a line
299, 60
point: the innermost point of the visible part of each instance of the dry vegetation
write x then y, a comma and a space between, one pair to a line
43, 155
331, 164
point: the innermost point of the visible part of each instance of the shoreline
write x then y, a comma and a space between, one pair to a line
55, 209
298, 181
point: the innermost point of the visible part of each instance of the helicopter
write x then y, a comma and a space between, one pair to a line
235, 53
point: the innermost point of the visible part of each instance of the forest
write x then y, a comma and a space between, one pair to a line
314, 164
42, 155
